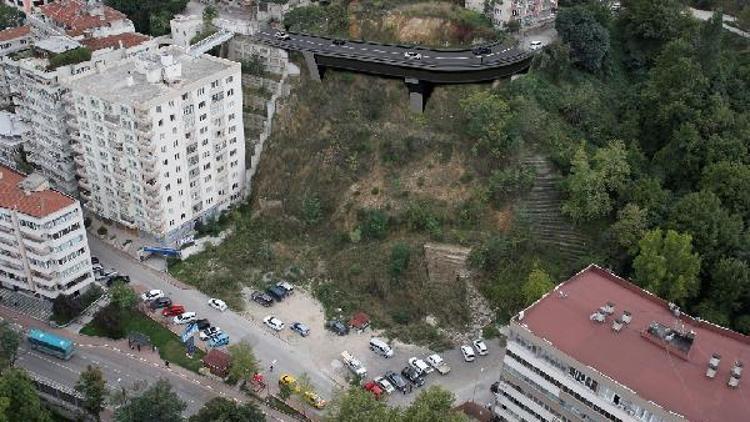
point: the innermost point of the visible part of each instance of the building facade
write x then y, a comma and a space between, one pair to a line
599, 348
528, 13
11, 141
43, 245
161, 141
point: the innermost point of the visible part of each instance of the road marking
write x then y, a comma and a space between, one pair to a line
379, 51
363, 48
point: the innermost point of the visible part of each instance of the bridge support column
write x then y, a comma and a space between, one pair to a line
312, 66
417, 92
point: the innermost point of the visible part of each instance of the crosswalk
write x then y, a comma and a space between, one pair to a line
36, 308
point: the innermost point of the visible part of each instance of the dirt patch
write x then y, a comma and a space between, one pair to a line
446, 264
504, 218
438, 180
419, 30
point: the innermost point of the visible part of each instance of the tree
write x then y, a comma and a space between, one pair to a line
631, 225
158, 403
122, 296
655, 21
20, 398
311, 209
9, 342
588, 39
65, 308
729, 181
730, 284
667, 266
433, 404
374, 224
244, 362
304, 387
358, 405
141, 13
400, 253
209, 14
93, 387
10, 17
487, 116
220, 409
537, 284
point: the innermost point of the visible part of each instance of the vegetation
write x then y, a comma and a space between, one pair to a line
225, 410
10, 17
149, 16
18, 398
244, 362
66, 308
92, 385
9, 342
358, 405
74, 56
157, 403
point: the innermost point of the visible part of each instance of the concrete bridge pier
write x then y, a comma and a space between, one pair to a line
418, 91
312, 65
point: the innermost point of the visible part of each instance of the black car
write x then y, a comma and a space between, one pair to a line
262, 298
122, 278
495, 387
479, 51
412, 375
159, 303
337, 327
203, 324
338, 42
398, 382
276, 292
94, 260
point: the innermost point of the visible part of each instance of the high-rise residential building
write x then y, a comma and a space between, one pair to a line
43, 246
161, 140
528, 13
599, 348
19, 4
11, 142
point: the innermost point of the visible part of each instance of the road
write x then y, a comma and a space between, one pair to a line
705, 15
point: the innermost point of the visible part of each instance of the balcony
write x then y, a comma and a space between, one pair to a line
144, 142
112, 119
153, 187
79, 161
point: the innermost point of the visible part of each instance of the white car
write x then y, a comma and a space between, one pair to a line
281, 35
412, 55
535, 45
480, 347
468, 353
385, 384
152, 295
217, 304
438, 363
209, 332
273, 323
185, 318
420, 365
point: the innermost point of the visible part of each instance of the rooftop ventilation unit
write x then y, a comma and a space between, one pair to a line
598, 316
626, 317
735, 374
713, 365
617, 325
608, 309
675, 310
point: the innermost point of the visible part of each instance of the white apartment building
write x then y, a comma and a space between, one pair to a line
19, 4
43, 245
11, 142
161, 139
528, 13
599, 348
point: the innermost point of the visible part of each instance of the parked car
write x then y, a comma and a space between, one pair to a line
94, 260
480, 347
281, 35
300, 328
337, 327
209, 332
273, 323
468, 353
380, 347
535, 45
276, 292
385, 385
314, 400
185, 318
151, 295
421, 366
217, 304
159, 303
218, 340
97, 268
438, 363
288, 287
110, 281
412, 375
173, 310
203, 323
495, 387
289, 380
374, 388
262, 298
412, 55
481, 50
397, 381
338, 42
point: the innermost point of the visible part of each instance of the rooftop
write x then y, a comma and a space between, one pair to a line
125, 40
14, 33
28, 195
76, 16
656, 351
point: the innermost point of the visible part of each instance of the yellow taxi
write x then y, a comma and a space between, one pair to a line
314, 400
289, 380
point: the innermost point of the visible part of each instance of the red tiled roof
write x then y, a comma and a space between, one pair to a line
13, 33
36, 204
217, 361
129, 39
678, 384
76, 19
360, 320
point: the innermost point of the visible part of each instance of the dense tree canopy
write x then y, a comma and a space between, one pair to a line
158, 403
10, 17
19, 397
92, 385
149, 16
588, 39
221, 409
667, 266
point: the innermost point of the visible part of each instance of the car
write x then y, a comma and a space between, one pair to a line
209, 332
438, 363
276, 292
203, 323
385, 384
300, 328
380, 347
261, 298
174, 310
421, 366
185, 318
397, 381
286, 379
273, 323
152, 295
338, 42
468, 353
480, 347
97, 268
481, 50
374, 388
217, 304
495, 387
222, 339
94, 260
337, 327
535, 45
413, 376
288, 287
412, 55
314, 400
281, 35
159, 303
125, 279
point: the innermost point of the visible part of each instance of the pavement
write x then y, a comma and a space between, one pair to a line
705, 15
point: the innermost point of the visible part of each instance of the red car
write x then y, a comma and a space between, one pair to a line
173, 310
374, 388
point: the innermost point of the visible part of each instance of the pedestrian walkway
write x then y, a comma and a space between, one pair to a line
37, 308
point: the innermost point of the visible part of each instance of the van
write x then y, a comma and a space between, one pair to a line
381, 347
173, 310
218, 340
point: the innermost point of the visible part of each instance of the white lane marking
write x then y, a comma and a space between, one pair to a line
379, 51
452, 58
363, 48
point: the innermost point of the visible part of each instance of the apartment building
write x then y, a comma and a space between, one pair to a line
19, 4
528, 13
599, 348
43, 246
161, 140
11, 142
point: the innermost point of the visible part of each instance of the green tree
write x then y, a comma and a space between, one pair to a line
730, 284
285, 391
312, 211
729, 181
220, 409
122, 297
537, 284
209, 14
433, 404
631, 225
358, 405
141, 13
588, 39
9, 342
400, 254
93, 387
10, 17
244, 362
21, 400
487, 116
655, 21
667, 266
158, 403
374, 224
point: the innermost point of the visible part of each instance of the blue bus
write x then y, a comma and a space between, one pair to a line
50, 344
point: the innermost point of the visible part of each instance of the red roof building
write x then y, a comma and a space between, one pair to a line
217, 362
39, 202
77, 17
360, 321
600, 346
126, 40
14, 33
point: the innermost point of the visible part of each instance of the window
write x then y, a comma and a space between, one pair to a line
158, 109
161, 122
230, 92
214, 84
230, 79
203, 117
201, 91
184, 96
201, 104
172, 118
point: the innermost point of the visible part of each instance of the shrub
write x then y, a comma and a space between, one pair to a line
311, 210
510, 181
490, 331
101, 231
76, 55
254, 66
419, 216
374, 224
400, 254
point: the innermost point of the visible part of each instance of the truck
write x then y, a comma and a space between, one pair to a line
438, 363
353, 364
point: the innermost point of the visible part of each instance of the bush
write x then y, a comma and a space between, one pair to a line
490, 332
254, 66
65, 308
510, 181
374, 224
76, 55
101, 231
400, 254
420, 217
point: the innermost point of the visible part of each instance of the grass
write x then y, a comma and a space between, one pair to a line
169, 345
